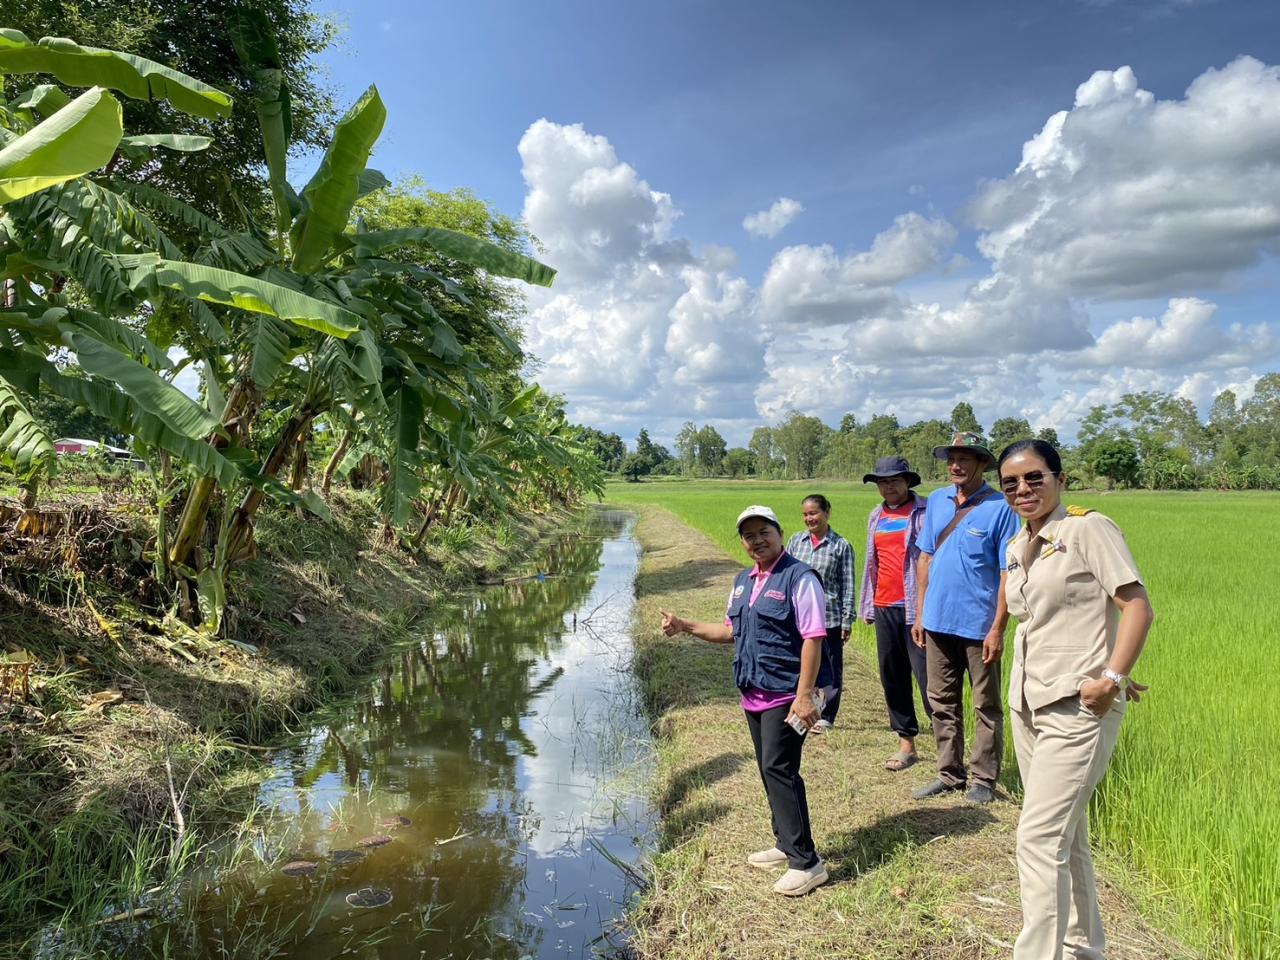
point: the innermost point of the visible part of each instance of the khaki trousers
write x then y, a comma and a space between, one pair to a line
947, 658
1063, 751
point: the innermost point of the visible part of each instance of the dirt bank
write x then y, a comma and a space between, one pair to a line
135, 734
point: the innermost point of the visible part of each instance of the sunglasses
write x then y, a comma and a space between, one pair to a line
1035, 480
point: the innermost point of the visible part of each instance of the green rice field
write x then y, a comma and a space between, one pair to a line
1188, 817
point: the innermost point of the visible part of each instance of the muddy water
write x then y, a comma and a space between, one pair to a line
490, 780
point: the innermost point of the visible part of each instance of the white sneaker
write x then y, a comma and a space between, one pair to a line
822, 726
796, 883
770, 859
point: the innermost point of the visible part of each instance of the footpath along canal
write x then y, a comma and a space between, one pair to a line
492, 782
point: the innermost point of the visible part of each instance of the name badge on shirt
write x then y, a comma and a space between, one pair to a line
775, 595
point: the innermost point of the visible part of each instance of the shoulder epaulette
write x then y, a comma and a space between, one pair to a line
1075, 511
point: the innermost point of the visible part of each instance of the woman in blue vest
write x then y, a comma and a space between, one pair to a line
776, 620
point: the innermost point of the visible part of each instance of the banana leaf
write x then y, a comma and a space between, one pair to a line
24, 440
459, 246
254, 39
135, 77
143, 145
46, 100
76, 140
331, 193
213, 285
153, 394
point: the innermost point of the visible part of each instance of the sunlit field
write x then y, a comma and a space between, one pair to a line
1192, 801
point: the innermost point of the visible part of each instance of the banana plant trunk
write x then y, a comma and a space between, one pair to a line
240, 546
331, 467
301, 462
235, 416
433, 511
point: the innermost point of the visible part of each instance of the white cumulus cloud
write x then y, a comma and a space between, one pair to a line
770, 223
1123, 197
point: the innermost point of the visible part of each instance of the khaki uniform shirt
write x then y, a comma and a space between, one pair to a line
1060, 587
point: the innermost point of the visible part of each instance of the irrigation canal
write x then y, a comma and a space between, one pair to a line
492, 780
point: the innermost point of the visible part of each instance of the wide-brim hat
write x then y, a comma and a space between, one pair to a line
889, 467
964, 440
755, 510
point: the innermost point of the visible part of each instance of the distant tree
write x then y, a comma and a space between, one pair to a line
710, 450
885, 434
1261, 423
764, 451
635, 466
801, 440
848, 423
1006, 430
608, 447
687, 446
963, 418
917, 443
1049, 436
662, 458
646, 448
738, 462
1116, 459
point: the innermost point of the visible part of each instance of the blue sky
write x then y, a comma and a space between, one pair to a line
668, 124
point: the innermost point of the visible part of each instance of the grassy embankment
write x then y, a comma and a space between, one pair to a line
1186, 824
135, 745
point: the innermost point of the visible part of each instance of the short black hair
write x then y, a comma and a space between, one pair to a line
823, 503
1041, 448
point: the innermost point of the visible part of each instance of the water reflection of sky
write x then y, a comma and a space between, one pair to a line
510, 737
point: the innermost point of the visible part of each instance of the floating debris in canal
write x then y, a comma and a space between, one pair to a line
392, 823
342, 858
367, 898
370, 842
460, 835
299, 868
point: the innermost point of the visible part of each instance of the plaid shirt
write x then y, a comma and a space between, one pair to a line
833, 560
867, 609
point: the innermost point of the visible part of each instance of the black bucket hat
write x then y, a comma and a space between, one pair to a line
889, 467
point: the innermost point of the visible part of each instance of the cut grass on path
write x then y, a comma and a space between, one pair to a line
908, 879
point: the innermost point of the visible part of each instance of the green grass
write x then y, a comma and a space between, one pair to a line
1189, 814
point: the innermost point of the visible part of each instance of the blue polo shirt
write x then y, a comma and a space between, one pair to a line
964, 576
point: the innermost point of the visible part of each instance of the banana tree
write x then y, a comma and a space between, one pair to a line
386, 371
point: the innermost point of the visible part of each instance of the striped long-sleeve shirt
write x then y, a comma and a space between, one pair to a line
833, 560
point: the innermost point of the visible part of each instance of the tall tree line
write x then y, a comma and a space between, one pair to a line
1149, 439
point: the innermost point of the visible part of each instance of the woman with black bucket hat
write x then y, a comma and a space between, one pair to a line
889, 600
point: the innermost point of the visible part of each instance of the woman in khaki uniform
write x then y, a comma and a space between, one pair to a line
1084, 616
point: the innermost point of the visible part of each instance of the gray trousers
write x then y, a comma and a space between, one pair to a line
1063, 751
948, 659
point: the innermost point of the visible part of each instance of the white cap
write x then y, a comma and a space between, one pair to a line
763, 513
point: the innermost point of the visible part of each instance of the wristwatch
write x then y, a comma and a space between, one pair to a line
1119, 679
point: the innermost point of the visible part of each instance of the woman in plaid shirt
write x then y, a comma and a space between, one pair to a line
831, 556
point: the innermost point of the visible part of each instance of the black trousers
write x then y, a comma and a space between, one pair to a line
778, 757
834, 652
899, 660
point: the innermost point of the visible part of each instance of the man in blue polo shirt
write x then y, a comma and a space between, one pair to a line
961, 615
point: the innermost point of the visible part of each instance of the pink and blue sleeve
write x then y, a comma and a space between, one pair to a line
810, 604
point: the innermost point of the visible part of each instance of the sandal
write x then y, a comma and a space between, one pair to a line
901, 760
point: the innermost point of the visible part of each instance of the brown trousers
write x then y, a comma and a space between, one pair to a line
948, 658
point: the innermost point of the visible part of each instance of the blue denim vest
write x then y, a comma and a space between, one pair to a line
766, 639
